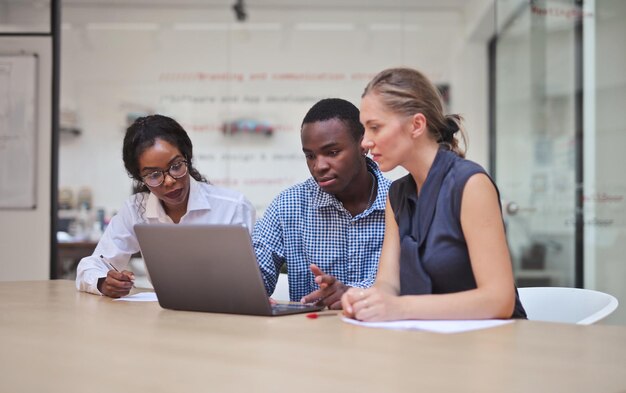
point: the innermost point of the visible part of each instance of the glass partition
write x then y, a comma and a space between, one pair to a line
559, 101
536, 141
605, 139
239, 87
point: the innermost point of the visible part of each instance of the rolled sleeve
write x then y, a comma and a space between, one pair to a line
117, 245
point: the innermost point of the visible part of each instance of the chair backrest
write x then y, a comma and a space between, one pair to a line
281, 291
567, 305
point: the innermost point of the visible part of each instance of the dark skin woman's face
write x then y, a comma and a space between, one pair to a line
173, 193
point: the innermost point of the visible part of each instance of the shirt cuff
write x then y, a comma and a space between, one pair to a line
361, 284
89, 283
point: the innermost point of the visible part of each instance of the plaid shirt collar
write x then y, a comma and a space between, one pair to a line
323, 199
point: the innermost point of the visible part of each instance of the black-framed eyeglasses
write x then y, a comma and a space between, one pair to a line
156, 178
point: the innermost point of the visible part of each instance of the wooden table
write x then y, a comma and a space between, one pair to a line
54, 339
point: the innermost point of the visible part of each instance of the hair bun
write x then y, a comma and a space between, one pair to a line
452, 124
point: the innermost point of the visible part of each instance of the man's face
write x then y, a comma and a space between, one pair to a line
333, 156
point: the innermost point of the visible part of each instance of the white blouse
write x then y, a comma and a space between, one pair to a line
207, 204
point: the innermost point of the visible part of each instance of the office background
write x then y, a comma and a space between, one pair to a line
541, 85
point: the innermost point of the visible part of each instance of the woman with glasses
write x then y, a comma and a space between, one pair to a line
158, 155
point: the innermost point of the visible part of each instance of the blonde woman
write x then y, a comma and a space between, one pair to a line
444, 253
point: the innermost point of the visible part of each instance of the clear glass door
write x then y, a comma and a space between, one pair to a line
535, 136
605, 139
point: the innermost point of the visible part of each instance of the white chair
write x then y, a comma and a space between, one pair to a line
281, 292
566, 305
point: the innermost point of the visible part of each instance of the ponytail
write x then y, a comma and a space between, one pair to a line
453, 124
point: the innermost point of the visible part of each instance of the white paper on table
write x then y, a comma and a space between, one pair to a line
436, 326
139, 297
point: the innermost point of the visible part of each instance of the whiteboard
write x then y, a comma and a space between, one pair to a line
18, 131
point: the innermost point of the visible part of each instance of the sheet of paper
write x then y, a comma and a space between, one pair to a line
440, 326
139, 297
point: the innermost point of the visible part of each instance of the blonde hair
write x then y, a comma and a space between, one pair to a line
407, 91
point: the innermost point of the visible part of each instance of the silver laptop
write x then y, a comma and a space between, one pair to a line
209, 268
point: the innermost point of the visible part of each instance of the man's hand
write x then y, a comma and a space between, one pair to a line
330, 290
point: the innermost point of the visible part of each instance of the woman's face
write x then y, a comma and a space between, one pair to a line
387, 134
173, 193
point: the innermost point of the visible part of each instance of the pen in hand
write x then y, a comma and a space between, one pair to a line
111, 267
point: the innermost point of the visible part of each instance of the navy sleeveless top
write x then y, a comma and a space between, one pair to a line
434, 258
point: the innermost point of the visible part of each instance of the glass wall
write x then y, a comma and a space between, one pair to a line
535, 142
240, 87
222, 78
558, 140
605, 139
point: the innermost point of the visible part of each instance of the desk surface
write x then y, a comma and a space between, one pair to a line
54, 339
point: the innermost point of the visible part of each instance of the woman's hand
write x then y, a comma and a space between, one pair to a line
371, 304
117, 284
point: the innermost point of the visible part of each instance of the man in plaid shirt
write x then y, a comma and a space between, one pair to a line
329, 229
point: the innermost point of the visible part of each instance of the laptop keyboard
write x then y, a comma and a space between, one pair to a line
290, 306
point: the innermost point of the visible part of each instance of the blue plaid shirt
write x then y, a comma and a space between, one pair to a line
305, 225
